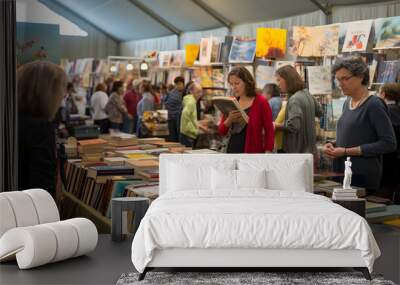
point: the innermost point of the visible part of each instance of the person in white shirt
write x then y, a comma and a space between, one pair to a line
98, 101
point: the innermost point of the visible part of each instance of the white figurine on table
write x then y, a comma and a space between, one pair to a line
347, 174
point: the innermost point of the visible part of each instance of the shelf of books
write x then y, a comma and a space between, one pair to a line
117, 165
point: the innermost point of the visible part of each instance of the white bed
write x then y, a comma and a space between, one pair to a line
201, 223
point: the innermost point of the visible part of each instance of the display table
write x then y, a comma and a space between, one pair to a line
355, 205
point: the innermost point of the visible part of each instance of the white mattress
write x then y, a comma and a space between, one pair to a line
257, 218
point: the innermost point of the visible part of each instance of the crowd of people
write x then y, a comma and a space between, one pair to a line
281, 118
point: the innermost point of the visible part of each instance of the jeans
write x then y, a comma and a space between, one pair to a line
173, 127
187, 141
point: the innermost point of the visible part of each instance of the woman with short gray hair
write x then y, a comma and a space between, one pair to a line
364, 130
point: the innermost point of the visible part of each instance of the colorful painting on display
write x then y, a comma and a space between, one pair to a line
205, 50
319, 80
242, 50
357, 36
316, 41
203, 76
271, 43
388, 71
37, 42
387, 32
191, 53
265, 74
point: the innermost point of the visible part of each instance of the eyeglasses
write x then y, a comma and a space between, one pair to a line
344, 78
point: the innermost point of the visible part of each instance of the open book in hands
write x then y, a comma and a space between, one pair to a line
227, 104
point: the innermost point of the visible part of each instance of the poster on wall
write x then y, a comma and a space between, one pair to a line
271, 43
387, 32
319, 80
357, 36
316, 41
388, 71
242, 50
164, 58
205, 50
177, 58
191, 53
265, 74
37, 42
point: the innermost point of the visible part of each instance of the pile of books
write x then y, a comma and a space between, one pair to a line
344, 194
91, 150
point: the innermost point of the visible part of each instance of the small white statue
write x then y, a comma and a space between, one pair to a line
347, 174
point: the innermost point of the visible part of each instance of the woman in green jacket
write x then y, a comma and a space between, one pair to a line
189, 125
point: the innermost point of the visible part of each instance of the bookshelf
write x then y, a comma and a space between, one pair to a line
74, 207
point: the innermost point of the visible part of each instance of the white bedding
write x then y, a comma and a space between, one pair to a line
251, 218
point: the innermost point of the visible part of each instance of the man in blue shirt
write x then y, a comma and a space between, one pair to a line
173, 103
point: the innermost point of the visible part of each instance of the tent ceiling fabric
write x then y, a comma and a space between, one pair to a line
125, 21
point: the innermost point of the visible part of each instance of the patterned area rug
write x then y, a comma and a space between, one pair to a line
241, 278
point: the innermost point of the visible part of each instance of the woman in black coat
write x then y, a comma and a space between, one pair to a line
41, 86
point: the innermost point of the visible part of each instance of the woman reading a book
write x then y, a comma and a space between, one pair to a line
257, 135
364, 130
298, 127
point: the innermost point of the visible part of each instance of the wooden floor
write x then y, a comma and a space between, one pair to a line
110, 260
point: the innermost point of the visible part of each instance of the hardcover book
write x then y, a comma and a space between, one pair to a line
227, 104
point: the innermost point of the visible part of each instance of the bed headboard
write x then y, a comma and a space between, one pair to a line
210, 159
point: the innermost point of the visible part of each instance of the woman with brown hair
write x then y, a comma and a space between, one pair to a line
41, 86
364, 131
301, 109
116, 108
257, 136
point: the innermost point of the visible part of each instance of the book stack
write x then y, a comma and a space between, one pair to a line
91, 150
146, 169
122, 139
101, 173
71, 148
150, 140
344, 194
115, 160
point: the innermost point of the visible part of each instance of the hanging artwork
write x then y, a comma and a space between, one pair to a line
387, 31
164, 58
265, 74
316, 41
225, 49
242, 50
319, 79
191, 53
270, 42
388, 71
357, 36
203, 76
205, 50
177, 58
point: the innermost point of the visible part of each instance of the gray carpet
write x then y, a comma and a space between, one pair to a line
229, 278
